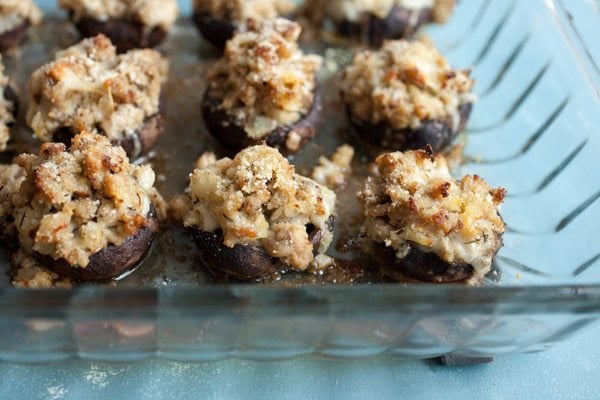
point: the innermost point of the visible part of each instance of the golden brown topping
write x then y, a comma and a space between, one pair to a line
258, 199
238, 11
14, 12
75, 202
90, 87
354, 10
264, 80
404, 84
335, 172
414, 200
151, 13
29, 274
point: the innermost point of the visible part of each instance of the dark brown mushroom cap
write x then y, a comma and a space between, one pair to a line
111, 262
234, 138
399, 23
244, 262
424, 266
13, 37
136, 145
125, 34
215, 31
436, 133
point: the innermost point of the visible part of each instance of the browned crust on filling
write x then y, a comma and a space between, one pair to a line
233, 136
125, 34
398, 24
13, 37
135, 145
111, 262
244, 262
436, 133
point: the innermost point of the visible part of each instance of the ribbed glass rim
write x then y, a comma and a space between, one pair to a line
385, 298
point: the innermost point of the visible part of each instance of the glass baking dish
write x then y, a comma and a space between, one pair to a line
534, 131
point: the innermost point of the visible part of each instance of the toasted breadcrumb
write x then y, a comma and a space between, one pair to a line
404, 84
180, 206
150, 13
257, 198
264, 80
334, 172
89, 87
413, 200
29, 274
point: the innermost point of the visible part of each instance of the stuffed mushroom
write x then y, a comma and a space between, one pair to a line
84, 212
129, 24
264, 89
89, 87
252, 216
217, 20
406, 96
376, 20
422, 223
16, 16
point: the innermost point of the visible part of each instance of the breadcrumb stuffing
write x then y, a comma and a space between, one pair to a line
258, 199
404, 84
264, 80
151, 13
238, 11
89, 87
413, 200
7, 109
74, 202
334, 172
14, 12
29, 274
11, 177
